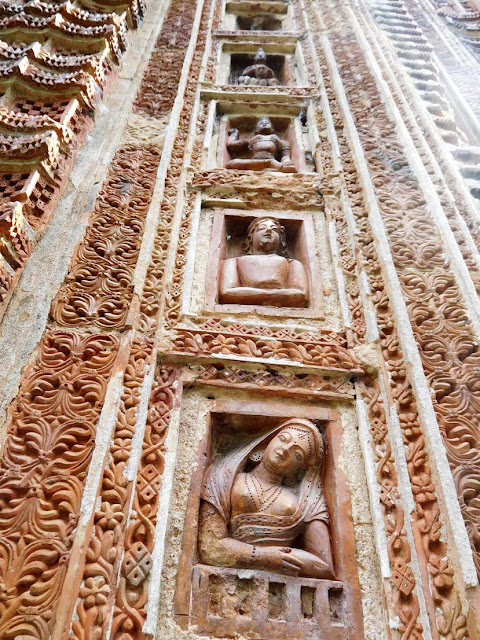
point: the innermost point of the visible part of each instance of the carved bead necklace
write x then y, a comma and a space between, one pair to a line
264, 497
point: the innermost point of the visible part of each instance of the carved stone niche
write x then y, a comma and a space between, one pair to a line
259, 22
280, 276
260, 143
230, 521
257, 16
258, 68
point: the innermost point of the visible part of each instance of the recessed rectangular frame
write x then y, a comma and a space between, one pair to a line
283, 124
300, 225
337, 496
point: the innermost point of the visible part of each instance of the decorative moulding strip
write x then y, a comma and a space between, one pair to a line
94, 606
158, 299
270, 382
435, 206
45, 466
98, 289
440, 590
133, 591
158, 553
103, 434
327, 356
439, 586
153, 254
409, 345
231, 97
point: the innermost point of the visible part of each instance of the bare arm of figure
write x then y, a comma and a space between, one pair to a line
231, 291
297, 279
217, 549
234, 143
285, 153
316, 555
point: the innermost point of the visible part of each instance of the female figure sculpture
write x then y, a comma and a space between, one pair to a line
268, 151
265, 275
272, 516
259, 73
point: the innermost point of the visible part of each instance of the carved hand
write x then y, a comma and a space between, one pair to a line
311, 566
279, 559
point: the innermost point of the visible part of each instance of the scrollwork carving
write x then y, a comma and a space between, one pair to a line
132, 595
104, 554
271, 382
411, 231
98, 288
43, 469
222, 340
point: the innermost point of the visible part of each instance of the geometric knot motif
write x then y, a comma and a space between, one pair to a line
403, 577
137, 563
149, 483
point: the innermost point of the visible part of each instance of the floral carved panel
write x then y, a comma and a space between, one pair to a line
99, 289
104, 554
132, 595
406, 219
43, 468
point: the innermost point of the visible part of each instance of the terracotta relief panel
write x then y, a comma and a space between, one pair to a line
44, 466
98, 288
263, 261
95, 604
269, 548
259, 144
326, 351
443, 601
165, 65
131, 598
259, 68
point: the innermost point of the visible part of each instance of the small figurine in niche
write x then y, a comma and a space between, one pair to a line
258, 73
268, 150
265, 275
263, 505
260, 22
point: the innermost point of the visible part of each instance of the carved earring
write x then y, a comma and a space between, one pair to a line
256, 456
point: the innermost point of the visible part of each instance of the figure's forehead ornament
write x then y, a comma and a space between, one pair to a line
304, 434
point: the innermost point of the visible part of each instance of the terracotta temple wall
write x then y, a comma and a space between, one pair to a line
182, 291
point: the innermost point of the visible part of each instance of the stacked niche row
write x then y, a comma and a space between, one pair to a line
269, 548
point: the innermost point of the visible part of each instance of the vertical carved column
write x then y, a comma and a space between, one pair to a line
105, 551
44, 467
132, 595
441, 593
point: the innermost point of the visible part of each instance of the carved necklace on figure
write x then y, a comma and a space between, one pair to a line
263, 495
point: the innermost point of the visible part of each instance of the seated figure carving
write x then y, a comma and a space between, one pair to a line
258, 73
263, 505
267, 150
265, 275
